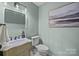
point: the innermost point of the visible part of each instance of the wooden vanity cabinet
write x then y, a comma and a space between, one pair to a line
22, 50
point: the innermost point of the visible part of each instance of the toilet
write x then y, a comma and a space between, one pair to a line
42, 50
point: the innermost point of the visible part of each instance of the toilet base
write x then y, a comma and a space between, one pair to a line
36, 53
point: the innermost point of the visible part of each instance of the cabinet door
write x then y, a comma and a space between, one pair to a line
22, 50
10, 52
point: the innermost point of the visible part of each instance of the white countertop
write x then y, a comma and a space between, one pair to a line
14, 43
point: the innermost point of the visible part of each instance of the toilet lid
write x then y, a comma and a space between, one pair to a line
42, 47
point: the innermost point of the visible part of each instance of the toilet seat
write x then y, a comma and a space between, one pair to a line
42, 47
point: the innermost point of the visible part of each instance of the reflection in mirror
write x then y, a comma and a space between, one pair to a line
15, 23
14, 17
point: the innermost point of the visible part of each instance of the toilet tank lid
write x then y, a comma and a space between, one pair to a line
35, 37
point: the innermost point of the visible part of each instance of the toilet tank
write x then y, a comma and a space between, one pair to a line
35, 40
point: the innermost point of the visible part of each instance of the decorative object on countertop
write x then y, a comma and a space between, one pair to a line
0, 46
10, 38
18, 36
23, 34
15, 38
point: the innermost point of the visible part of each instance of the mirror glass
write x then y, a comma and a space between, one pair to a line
15, 22
14, 17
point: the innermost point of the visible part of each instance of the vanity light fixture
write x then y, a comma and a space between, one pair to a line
16, 5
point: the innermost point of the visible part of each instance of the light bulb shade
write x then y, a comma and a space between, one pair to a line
16, 5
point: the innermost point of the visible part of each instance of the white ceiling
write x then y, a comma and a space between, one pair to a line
39, 3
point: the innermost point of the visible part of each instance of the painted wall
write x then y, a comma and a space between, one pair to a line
32, 23
32, 12
61, 41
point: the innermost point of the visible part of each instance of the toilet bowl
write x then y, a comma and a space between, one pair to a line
41, 48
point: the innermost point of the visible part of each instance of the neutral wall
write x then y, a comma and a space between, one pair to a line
32, 16
32, 12
61, 41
